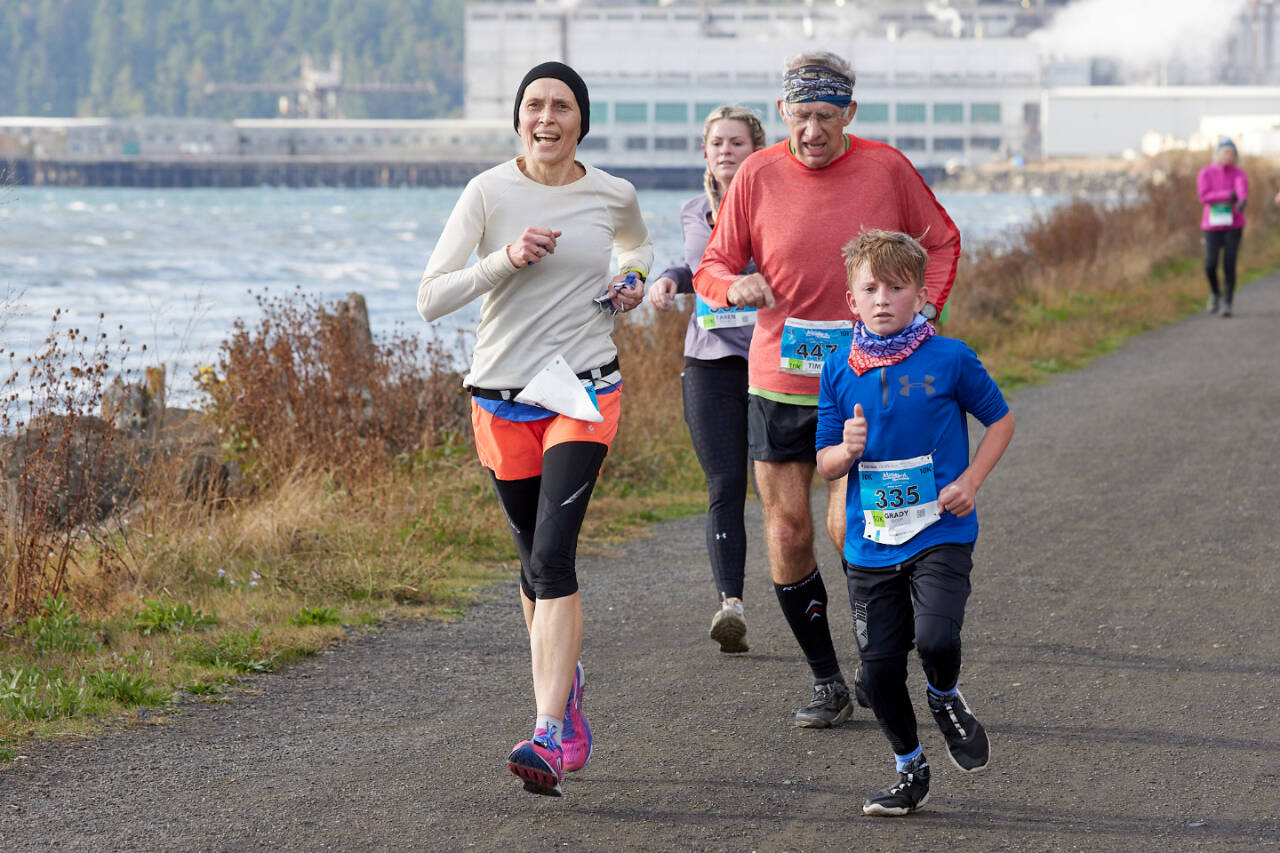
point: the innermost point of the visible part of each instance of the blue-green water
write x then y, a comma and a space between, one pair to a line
176, 268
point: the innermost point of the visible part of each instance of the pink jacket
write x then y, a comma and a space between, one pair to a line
1216, 183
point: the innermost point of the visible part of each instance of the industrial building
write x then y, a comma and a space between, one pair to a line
952, 83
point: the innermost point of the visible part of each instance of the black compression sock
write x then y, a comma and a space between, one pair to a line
804, 603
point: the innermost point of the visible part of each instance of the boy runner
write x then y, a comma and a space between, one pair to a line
891, 413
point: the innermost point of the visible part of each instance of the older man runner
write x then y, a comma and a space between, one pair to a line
791, 208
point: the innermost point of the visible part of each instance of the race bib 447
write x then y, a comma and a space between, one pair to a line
805, 344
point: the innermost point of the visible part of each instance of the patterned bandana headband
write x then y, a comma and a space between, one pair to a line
816, 83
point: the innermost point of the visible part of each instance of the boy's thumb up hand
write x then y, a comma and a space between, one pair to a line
857, 411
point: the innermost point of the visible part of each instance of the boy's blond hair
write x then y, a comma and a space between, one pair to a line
890, 255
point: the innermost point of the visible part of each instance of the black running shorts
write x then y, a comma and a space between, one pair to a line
887, 600
781, 432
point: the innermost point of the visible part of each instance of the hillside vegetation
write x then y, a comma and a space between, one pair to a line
128, 58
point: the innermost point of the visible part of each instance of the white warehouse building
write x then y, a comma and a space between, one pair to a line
655, 72
1104, 121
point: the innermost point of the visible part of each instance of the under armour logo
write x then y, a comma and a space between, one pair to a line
814, 610
907, 385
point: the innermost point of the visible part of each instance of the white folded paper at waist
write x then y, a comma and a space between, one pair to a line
557, 388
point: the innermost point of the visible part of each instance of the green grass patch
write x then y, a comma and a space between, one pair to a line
168, 617
57, 629
316, 616
240, 651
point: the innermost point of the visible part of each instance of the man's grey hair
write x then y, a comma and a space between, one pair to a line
825, 58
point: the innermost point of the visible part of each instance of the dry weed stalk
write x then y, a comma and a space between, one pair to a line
59, 471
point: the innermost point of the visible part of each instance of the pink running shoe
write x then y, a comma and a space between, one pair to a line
539, 762
576, 736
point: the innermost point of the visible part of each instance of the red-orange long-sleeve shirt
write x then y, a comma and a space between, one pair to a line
794, 221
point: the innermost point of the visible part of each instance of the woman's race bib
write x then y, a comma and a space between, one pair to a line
806, 343
899, 498
723, 318
1221, 214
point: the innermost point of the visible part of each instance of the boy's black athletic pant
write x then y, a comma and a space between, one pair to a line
918, 603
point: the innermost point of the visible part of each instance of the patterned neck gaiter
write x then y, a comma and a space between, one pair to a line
869, 352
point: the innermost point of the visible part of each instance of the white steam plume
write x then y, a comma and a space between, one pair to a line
1142, 32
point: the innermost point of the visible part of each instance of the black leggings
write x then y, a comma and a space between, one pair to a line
545, 515
715, 408
921, 603
1227, 242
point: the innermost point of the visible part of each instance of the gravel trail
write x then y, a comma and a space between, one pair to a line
1121, 646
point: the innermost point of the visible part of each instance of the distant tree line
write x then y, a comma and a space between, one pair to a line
130, 58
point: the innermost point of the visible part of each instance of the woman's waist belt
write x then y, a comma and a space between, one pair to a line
606, 372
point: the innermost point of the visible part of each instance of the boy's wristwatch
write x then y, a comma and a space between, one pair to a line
930, 311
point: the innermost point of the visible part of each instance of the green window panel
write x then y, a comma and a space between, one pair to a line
671, 112
948, 113
631, 111
872, 113
984, 113
702, 109
910, 113
762, 110
599, 113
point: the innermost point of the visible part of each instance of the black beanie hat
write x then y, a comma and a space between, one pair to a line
565, 74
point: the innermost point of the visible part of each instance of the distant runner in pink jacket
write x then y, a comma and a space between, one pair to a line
1224, 189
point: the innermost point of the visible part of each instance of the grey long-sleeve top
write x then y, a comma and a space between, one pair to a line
703, 343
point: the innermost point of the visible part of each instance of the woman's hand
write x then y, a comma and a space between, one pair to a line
534, 245
625, 297
662, 293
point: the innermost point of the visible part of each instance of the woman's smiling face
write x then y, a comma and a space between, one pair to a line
549, 122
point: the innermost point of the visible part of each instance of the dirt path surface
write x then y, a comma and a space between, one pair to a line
1121, 647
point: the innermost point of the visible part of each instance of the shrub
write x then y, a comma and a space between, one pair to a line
309, 386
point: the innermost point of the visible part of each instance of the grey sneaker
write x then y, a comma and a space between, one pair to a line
967, 741
829, 707
907, 796
729, 627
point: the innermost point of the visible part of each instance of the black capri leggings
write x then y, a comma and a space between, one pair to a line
545, 515
715, 408
1224, 241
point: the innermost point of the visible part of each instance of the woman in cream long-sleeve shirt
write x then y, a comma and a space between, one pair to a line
544, 228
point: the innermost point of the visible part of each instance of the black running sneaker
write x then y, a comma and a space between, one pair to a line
830, 706
860, 689
966, 739
909, 795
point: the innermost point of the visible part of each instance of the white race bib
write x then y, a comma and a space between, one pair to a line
899, 498
1221, 214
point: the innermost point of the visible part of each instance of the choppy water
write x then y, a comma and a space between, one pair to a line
177, 267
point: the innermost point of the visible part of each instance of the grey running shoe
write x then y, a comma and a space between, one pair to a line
967, 741
1226, 309
729, 627
860, 689
829, 707
907, 796
1212, 307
